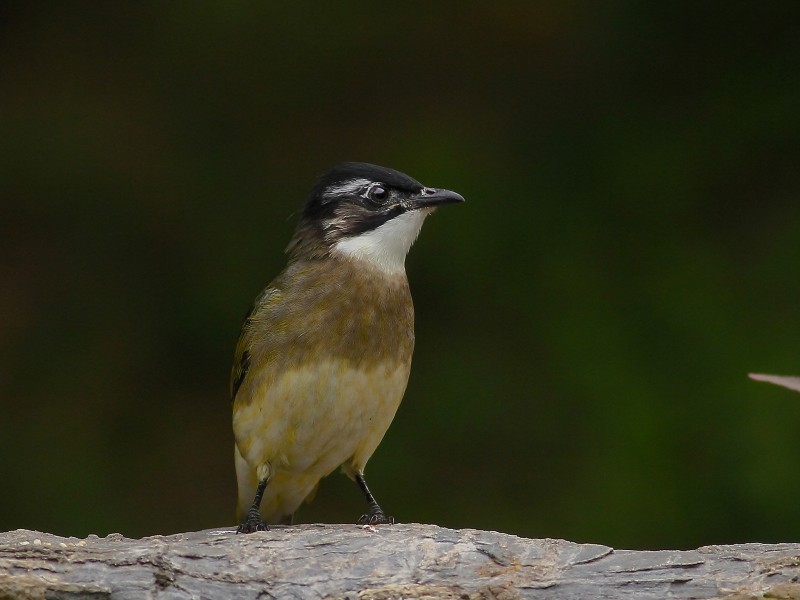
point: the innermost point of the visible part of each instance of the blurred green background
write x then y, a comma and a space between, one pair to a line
585, 322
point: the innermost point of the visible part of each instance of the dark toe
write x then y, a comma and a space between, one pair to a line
376, 519
252, 525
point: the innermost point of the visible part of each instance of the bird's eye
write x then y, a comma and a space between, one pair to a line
378, 193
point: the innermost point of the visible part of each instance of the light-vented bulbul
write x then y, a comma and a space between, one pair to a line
325, 352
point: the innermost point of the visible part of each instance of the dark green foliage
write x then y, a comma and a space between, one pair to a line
628, 252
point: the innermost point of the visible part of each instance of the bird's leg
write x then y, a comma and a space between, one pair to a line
375, 515
252, 520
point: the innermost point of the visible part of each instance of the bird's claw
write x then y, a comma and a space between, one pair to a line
252, 524
377, 518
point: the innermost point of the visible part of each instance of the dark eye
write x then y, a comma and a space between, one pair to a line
377, 192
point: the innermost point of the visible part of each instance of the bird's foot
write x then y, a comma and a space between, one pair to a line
376, 518
252, 522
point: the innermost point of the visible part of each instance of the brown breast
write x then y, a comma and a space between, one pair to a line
332, 308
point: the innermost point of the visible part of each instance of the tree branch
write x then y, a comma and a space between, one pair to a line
389, 561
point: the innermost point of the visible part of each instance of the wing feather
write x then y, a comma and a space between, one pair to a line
241, 358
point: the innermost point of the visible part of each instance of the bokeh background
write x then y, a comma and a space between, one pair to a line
585, 322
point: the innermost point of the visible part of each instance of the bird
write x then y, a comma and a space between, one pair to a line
324, 354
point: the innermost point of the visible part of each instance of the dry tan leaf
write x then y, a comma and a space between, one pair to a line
793, 383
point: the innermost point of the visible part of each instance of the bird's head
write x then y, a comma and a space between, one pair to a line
366, 212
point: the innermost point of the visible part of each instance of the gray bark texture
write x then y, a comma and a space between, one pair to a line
383, 562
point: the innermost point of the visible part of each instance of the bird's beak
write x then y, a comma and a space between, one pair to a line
431, 198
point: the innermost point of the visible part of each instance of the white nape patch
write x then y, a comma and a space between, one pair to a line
386, 246
351, 186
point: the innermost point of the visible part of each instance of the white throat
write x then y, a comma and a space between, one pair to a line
386, 246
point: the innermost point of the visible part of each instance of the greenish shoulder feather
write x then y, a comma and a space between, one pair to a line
241, 359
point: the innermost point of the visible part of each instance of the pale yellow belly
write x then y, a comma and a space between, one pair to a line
309, 421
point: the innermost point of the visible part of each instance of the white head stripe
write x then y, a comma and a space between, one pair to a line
347, 187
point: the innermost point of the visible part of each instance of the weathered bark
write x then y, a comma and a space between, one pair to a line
397, 561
